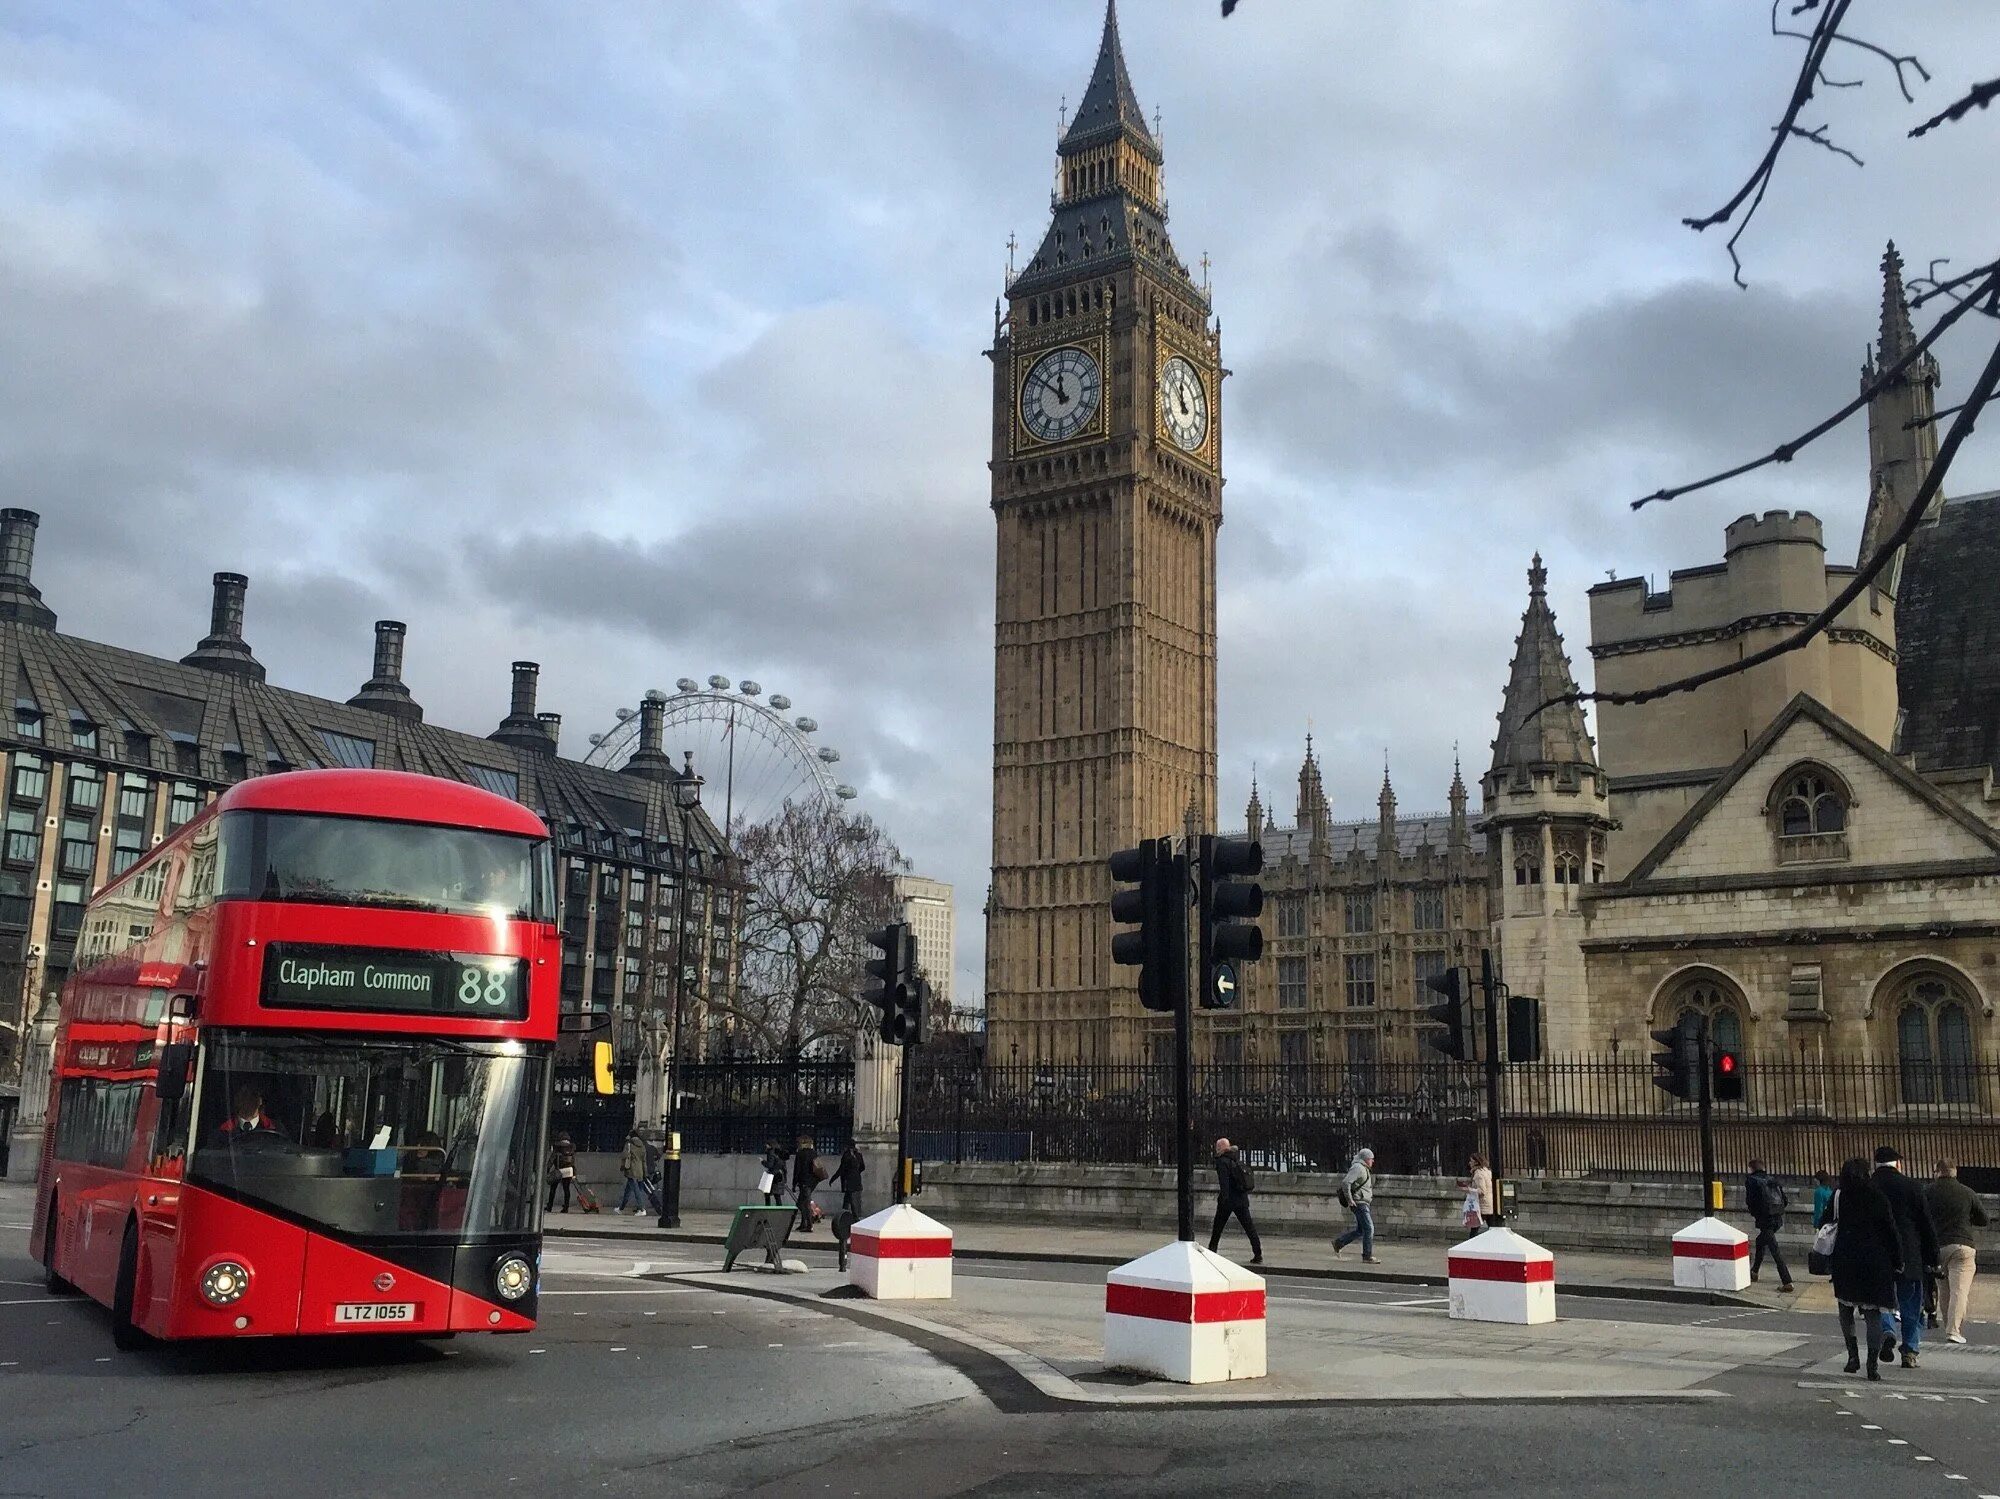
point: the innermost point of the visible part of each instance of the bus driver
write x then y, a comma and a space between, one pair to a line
247, 1117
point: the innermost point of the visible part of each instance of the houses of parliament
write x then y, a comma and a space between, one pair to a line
1807, 853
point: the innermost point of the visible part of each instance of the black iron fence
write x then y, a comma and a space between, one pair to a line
732, 1105
1568, 1116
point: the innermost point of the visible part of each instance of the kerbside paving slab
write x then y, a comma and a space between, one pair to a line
1050, 1333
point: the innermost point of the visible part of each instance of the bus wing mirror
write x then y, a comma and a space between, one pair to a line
182, 1007
601, 1055
175, 1059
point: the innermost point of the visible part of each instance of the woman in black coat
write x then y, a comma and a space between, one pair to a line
807, 1173
1867, 1258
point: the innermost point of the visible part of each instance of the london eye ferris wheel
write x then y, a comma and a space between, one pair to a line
756, 753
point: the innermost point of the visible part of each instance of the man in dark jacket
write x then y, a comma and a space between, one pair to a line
1955, 1211
1920, 1248
1765, 1197
1232, 1183
848, 1173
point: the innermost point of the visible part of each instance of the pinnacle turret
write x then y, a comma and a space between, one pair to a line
1536, 730
1897, 335
1253, 815
1110, 106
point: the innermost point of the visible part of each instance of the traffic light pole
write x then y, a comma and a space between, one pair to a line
1177, 886
1711, 1188
905, 1092
1490, 991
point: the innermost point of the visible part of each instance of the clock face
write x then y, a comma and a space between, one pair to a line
1183, 404
1060, 395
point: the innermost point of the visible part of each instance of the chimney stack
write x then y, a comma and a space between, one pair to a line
19, 598
649, 759
522, 727
223, 649
385, 692
551, 727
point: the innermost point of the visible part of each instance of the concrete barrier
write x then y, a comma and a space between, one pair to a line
1501, 1277
899, 1254
1709, 1255
1185, 1314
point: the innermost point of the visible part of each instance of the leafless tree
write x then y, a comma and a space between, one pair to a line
820, 882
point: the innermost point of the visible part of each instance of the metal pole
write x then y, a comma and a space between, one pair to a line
1176, 942
670, 1146
906, 1092
1489, 989
1711, 1189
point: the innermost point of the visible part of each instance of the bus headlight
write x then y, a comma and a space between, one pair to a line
513, 1277
224, 1282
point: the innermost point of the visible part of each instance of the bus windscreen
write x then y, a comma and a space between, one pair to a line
353, 861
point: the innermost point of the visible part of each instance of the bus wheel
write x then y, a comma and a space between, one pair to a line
51, 1278
125, 1332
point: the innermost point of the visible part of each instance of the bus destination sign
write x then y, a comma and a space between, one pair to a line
309, 976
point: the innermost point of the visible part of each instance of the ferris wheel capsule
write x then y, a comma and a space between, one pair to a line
623, 714
748, 688
829, 755
719, 682
780, 701
654, 695
595, 740
806, 725
687, 684
845, 792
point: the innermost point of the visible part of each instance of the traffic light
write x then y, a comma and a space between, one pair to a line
1677, 1065
1156, 908
898, 992
1726, 1078
1524, 1028
1220, 900
1455, 985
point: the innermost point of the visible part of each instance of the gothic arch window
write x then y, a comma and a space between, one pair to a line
1569, 859
1527, 867
1809, 810
1707, 998
1934, 1051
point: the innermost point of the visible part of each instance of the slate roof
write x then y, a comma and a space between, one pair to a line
1348, 838
1110, 107
1541, 671
175, 720
1948, 638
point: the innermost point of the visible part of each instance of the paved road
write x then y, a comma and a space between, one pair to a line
635, 1384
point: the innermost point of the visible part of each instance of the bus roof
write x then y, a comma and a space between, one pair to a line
394, 795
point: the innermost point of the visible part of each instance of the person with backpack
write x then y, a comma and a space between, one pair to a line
561, 1172
1766, 1199
1357, 1194
1233, 1185
632, 1164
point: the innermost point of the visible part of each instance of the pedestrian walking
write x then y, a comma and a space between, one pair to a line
807, 1174
1867, 1262
774, 1168
1822, 1197
1919, 1248
1357, 1194
1478, 1210
1233, 1186
1765, 1196
1955, 1211
632, 1162
561, 1172
848, 1174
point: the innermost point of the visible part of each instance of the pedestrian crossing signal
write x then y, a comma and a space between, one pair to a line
1726, 1082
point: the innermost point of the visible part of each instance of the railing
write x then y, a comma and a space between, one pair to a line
1811, 848
1563, 1116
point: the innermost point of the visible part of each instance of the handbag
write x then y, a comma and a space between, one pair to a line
1819, 1258
566, 1173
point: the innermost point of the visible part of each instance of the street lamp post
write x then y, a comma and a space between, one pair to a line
687, 797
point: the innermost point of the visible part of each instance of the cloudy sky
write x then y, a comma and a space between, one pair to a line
645, 339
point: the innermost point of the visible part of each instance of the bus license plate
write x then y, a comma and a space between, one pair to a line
375, 1311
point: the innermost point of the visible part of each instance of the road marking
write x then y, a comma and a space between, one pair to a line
774, 1345
1922, 1459
618, 1350
1897, 1442
1870, 1428
629, 1291
1419, 1301
700, 1347
16, 1225
538, 1350
32, 1301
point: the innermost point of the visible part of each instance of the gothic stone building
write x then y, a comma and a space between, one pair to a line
1107, 495
1809, 851
1357, 916
108, 750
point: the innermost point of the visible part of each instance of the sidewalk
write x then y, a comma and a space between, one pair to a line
1319, 1351
1578, 1273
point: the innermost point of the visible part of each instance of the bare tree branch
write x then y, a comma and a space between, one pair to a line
1961, 428
1818, 138
1899, 62
1979, 97
1754, 186
1786, 451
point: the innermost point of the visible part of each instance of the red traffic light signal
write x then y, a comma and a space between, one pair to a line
1727, 1077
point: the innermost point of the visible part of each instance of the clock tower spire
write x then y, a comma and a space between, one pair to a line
1107, 493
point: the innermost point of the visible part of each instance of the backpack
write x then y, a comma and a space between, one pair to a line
1343, 1195
1249, 1176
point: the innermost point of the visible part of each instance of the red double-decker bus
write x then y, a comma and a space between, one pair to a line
301, 1074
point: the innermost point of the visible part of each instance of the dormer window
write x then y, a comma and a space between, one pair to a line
1809, 809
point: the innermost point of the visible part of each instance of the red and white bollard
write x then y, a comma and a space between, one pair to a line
1709, 1255
899, 1254
1184, 1314
1501, 1277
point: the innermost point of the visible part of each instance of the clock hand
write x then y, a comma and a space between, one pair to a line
1062, 393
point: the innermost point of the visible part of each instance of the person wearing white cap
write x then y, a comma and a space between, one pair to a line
1357, 1193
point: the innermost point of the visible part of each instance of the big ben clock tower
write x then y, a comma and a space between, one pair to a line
1107, 488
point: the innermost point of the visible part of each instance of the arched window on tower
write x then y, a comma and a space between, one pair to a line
1809, 808
1934, 1051
1527, 867
1708, 998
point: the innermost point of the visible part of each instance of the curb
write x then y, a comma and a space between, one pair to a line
1595, 1289
1054, 1387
